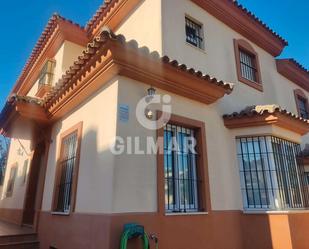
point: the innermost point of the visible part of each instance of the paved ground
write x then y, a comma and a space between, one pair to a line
11, 229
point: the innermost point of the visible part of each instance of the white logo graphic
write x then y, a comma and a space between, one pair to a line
144, 114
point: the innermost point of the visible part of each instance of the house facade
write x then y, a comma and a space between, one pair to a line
181, 119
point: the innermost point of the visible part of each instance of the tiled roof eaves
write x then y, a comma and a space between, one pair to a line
98, 42
26, 99
253, 111
100, 13
258, 20
298, 65
105, 7
42, 41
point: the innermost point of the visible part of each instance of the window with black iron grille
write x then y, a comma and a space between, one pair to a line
303, 107
194, 33
180, 169
11, 181
67, 164
307, 178
47, 73
248, 65
272, 175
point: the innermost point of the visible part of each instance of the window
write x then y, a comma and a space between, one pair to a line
247, 63
11, 181
180, 169
272, 176
307, 177
301, 103
66, 175
47, 73
194, 33
24, 174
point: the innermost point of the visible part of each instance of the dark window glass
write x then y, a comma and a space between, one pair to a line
272, 176
180, 169
67, 164
47, 73
303, 109
194, 33
248, 66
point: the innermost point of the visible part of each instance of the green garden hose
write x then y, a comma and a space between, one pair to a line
133, 231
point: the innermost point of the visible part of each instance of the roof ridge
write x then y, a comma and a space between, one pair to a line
41, 42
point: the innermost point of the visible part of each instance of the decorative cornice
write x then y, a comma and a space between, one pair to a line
295, 72
56, 31
110, 55
262, 115
245, 23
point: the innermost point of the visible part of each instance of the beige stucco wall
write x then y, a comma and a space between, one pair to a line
110, 183
95, 181
218, 58
144, 25
64, 57
18, 153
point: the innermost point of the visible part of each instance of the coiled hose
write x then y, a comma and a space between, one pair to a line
133, 230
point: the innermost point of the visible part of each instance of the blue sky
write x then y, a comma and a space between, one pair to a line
23, 21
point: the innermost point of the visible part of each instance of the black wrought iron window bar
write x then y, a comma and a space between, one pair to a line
303, 107
247, 66
180, 169
47, 73
272, 174
194, 33
67, 164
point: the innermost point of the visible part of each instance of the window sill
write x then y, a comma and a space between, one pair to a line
197, 48
61, 213
295, 211
256, 85
186, 214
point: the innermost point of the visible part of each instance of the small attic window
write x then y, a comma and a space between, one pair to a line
194, 33
47, 73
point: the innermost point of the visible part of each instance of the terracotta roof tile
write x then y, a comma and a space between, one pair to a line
107, 4
100, 13
297, 64
27, 99
258, 20
42, 41
99, 42
255, 110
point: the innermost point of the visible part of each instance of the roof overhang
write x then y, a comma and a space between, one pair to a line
110, 55
290, 69
19, 116
110, 13
245, 23
55, 33
267, 115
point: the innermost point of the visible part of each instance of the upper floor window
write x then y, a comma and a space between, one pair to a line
47, 73
66, 175
247, 63
194, 33
301, 104
272, 176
